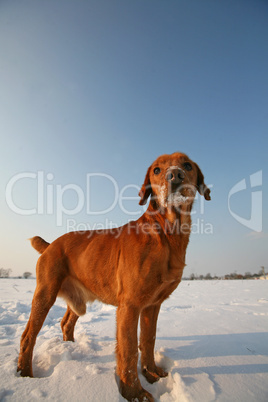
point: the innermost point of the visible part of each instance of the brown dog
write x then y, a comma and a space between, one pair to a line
135, 267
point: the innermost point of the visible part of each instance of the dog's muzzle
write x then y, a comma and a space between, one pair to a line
175, 176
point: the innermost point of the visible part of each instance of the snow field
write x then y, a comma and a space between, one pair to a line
212, 337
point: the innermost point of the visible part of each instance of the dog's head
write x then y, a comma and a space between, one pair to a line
172, 180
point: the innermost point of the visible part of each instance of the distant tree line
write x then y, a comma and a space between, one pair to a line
5, 273
234, 275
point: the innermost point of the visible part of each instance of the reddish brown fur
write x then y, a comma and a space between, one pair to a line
39, 244
134, 268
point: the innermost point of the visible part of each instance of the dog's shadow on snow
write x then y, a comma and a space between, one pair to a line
207, 348
213, 346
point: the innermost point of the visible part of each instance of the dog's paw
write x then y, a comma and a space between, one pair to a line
143, 396
24, 372
154, 375
132, 394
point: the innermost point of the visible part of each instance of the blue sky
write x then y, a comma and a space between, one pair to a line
106, 87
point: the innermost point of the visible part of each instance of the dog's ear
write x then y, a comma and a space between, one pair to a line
146, 189
201, 187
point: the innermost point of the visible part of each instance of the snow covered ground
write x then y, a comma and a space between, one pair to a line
212, 337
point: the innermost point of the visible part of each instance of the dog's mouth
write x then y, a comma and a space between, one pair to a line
172, 197
176, 199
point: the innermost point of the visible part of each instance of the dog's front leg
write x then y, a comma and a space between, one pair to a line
148, 323
127, 354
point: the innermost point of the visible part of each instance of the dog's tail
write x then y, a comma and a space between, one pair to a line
39, 244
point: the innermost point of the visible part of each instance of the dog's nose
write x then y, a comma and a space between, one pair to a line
175, 175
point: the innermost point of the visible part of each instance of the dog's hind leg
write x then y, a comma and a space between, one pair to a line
68, 323
43, 300
49, 281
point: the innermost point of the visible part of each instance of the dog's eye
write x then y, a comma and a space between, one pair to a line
187, 166
157, 170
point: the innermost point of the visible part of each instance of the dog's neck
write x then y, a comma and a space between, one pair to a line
175, 225
173, 221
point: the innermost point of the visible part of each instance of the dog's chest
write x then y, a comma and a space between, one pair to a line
176, 260
170, 277
164, 290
